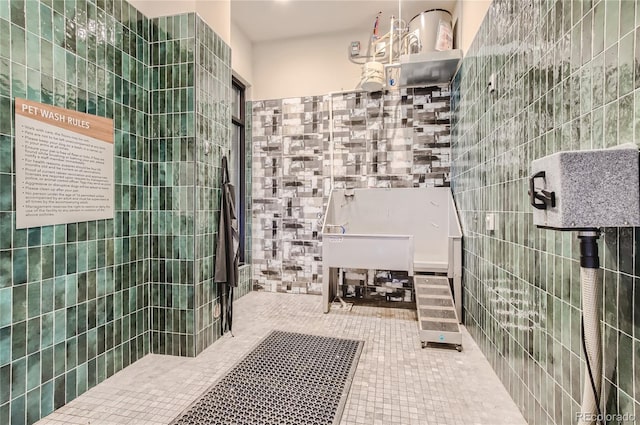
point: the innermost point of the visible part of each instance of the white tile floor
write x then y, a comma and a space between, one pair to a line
396, 381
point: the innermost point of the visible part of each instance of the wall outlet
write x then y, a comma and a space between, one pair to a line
355, 48
490, 222
492, 83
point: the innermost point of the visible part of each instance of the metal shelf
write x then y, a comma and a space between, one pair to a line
429, 68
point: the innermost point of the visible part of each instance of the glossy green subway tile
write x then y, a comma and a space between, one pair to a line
6, 192
5, 76
612, 22
48, 259
5, 347
46, 295
19, 266
33, 372
33, 299
59, 395
71, 258
81, 378
636, 63
18, 377
5, 42
18, 410
33, 49
32, 15
33, 405
47, 235
60, 260
59, 334
59, 294
611, 125
46, 398
626, 81
627, 17
17, 12
5, 10
82, 254
71, 354
46, 23
57, 5
71, 289
47, 323
5, 231
34, 264
18, 80
5, 358
18, 44
625, 123
5, 306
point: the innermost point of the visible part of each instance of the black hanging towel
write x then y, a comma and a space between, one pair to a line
226, 273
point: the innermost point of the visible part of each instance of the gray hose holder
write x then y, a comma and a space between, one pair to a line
586, 189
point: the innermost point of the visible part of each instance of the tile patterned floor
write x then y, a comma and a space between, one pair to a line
396, 382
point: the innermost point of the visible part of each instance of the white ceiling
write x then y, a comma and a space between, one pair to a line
264, 20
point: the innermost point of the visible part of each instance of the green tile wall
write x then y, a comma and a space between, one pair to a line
173, 170
245, 283
73, 298
79, 302
213, 140
568, 77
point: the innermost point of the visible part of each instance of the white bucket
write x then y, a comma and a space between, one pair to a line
372, 76
431, 30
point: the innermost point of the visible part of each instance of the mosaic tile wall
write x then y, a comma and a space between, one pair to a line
568, 75
399, 139
73, 298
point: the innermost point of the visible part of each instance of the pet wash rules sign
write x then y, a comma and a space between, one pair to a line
64, 165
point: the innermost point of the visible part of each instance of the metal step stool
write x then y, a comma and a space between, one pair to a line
437, 317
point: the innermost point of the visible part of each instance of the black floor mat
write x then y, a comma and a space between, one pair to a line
289, 378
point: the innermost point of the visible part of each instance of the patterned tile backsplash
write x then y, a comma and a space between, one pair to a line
396, 139
81, 301
568, 76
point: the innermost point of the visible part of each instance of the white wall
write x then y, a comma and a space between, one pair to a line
470, 13
301, 66
155, 8
242, 58
216, 13
319, 64
305, 66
